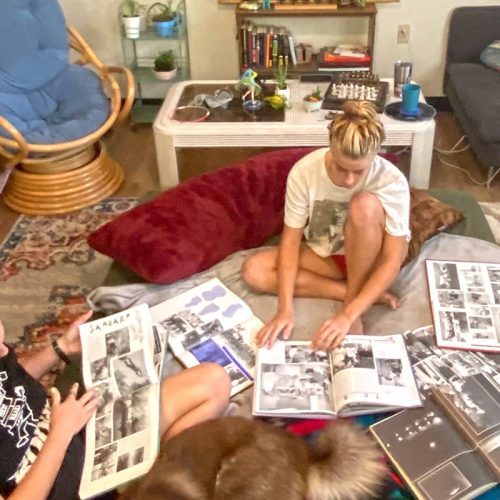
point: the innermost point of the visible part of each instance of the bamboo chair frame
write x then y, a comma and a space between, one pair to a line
16, 149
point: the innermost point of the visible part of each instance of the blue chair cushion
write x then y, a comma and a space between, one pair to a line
47, 99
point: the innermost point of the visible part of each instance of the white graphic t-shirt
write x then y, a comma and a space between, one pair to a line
314, 202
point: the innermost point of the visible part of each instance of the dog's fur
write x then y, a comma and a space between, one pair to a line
234, 458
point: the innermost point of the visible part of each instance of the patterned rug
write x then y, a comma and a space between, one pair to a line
47, 269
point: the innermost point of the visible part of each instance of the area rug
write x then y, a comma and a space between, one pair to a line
47, 269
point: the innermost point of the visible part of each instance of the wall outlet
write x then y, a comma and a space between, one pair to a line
403, 33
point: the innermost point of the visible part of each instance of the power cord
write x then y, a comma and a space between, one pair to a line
455, 149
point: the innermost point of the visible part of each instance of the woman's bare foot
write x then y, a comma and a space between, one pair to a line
390, 300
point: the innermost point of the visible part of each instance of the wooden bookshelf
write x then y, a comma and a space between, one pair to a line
243, 16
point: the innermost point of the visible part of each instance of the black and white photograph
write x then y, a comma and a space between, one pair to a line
103, 427
99, 369
130, 372
454, 325
495, 288
352, 355
445, 483
104, 461
130, 415
138, 456
117, 342
123, 462
105, 393
446, 276
472, 277
477, 398
181, 323
234, 338
480, 323
304, 354
478, 310
327, 224
236, 375
390, 371
451, 299
494, 273
295, 386
477, 297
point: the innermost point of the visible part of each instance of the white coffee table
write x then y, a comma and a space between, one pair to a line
299, 128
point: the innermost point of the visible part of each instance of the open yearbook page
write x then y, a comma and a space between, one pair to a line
209, 323
465, 301
365, 374
456, 435
119, 361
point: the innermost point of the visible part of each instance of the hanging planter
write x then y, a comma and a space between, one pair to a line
163, 18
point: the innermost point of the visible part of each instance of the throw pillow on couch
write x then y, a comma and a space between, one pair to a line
198, 223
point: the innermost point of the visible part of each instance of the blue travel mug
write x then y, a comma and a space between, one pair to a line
409, 104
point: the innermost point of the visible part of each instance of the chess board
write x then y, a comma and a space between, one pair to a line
362, 87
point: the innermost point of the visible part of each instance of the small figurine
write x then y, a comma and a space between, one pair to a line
247, 81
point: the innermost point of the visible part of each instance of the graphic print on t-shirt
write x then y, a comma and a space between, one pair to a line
326, 228
15, 414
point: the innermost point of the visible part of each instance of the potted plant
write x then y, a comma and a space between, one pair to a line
163, 18
165, 67
131, 17
313, 100
280, 78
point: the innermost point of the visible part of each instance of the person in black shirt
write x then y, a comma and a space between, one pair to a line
41, 446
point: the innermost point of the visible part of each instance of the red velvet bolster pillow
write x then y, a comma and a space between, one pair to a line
198, 223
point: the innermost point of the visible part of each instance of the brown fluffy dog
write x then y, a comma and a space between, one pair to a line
234, 458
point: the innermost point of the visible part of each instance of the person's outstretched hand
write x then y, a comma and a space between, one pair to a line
69, 416
282, 324
332, 332
69, 341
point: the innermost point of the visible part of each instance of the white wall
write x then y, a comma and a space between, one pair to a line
213, 45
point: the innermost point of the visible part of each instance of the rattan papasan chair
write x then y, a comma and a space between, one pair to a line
53, 112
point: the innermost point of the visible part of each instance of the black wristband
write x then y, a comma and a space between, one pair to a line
60, 353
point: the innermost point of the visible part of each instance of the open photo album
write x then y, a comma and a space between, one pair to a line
456, 434
365, 374
209, 323
121, 357
465, 302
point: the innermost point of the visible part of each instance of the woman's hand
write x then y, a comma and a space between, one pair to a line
69, 342
70, 416
332, 332
282, 324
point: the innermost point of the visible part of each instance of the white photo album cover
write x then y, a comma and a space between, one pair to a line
118, 360
465, 302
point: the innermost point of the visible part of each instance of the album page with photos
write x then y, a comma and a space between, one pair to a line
121, 358
456, 434
365, 374
465, 301
209, 323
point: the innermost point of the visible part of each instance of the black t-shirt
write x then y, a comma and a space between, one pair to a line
22, 399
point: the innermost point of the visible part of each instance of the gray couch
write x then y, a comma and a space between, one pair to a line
472, 88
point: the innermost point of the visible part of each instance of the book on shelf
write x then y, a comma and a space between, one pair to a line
209, 323
365, 374
456, 434
121, 359
465, 303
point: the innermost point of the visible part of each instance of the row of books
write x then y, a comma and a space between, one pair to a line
263, 45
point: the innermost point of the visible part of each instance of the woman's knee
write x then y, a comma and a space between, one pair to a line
365, 209
218, 385
255, 272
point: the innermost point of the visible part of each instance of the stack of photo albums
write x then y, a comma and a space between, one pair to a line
456, 434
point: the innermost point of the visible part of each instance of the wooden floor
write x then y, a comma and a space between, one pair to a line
134, 150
